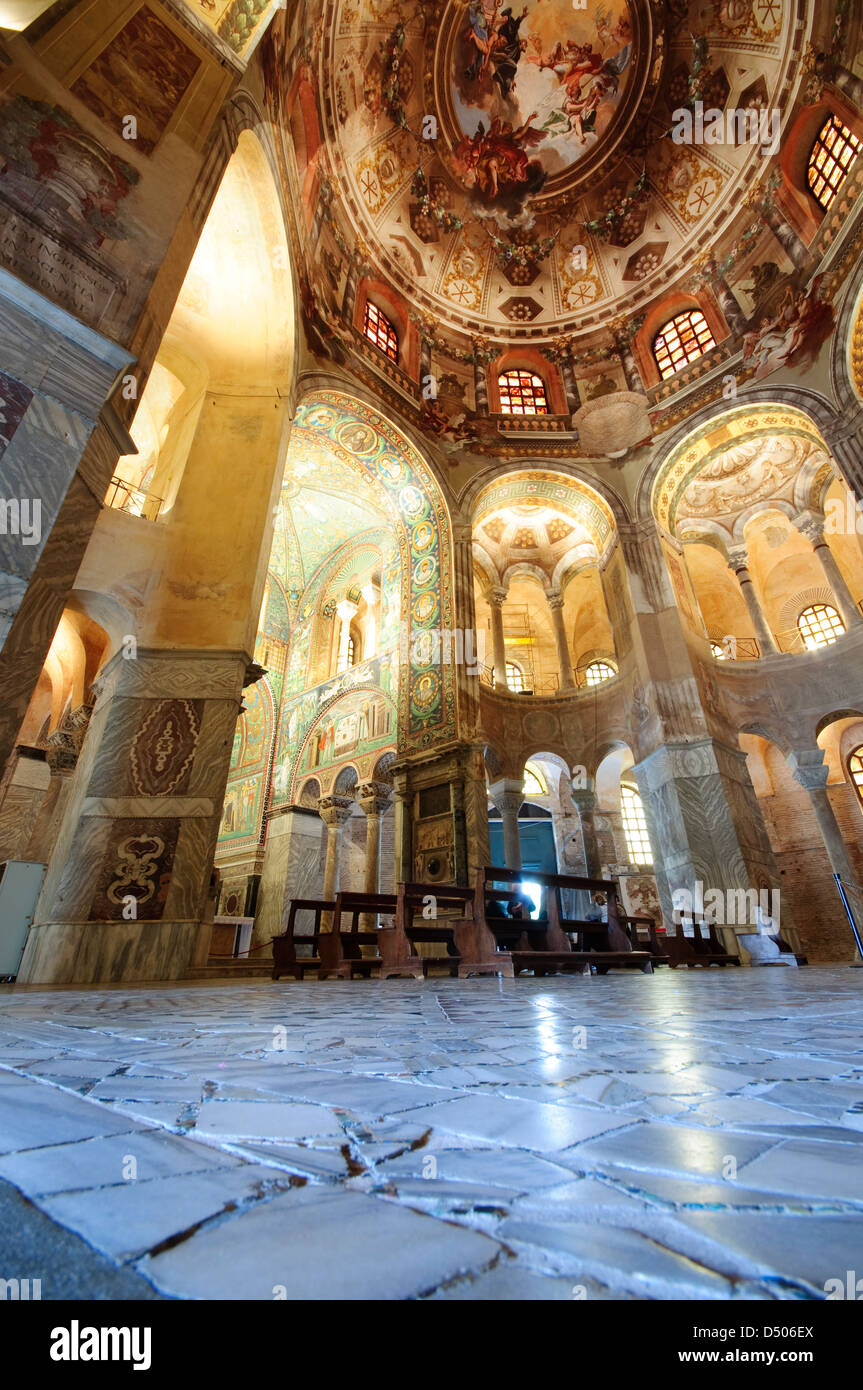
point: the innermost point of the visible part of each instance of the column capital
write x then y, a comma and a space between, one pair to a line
737, 558
507, 794
496, 595
811, 525
585, 801
346, 609
809, 768
335, 810
374, 797
554, 598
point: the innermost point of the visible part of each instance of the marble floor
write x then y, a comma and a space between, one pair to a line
694, 1135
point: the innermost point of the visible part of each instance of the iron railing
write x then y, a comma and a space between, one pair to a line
123, 497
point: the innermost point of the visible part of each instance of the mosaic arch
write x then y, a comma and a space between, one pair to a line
248, 779
712, 443
531, 492
354, 730
331, 424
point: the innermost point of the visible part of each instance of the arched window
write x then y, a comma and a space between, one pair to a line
683, 339
534, 784
599, 671
719, 651
832, 155
514, 677
819, 625
380, 331
635, 826
855, 770
522, 393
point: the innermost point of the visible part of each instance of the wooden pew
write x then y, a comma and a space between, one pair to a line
704, 947
398, 943
340, 948
545, 945
285, 958
640, 929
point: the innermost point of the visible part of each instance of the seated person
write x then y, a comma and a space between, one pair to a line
495, 908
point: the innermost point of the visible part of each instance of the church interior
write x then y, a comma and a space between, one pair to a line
431, 645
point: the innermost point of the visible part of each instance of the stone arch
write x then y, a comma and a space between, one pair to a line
384, 460
800, 410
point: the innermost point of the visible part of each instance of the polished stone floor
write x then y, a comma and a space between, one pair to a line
692, 1135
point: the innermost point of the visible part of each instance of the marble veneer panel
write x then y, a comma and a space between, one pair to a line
164, 720
292, 867
705, 818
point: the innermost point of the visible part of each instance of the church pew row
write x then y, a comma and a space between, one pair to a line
704, 947
467, 923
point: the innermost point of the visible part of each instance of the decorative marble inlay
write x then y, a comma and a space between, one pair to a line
164, 747
137, 865
14, 400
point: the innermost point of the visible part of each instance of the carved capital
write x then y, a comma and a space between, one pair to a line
507, 795
811, 525
374, 797
335, 810
738, 560
810, 770
496, 595
554, 598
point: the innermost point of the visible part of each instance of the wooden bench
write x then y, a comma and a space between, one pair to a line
551, 943
341, 947
285, 958
398, 943
643, 929
702, 948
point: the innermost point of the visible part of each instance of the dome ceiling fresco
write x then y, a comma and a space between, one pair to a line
481, 149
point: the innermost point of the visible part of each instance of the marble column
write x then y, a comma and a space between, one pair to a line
127, 884
554, 599
585, 804
631, 374
737, 562
373, 798
480, 382
812, 527
731, 310
705, 824
60, 445
811, 772
472, 657
496, 597
403, 813
346, 611
846, 448
569, 384
334, 811
848, 83
508, 796
291, 867
788, 238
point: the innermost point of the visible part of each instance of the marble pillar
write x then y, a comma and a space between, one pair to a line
585, 804
811, 772
788, 238
403, 815
470, 653
496, 597
554, 600
291, 868
127, 884
737, 563
508, 796
23, 791
59, 448
705, 825
812, 527
373, 798
334, 811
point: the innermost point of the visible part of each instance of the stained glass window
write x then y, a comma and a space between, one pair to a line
380, 331
522, 393
686, 337
833, 153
